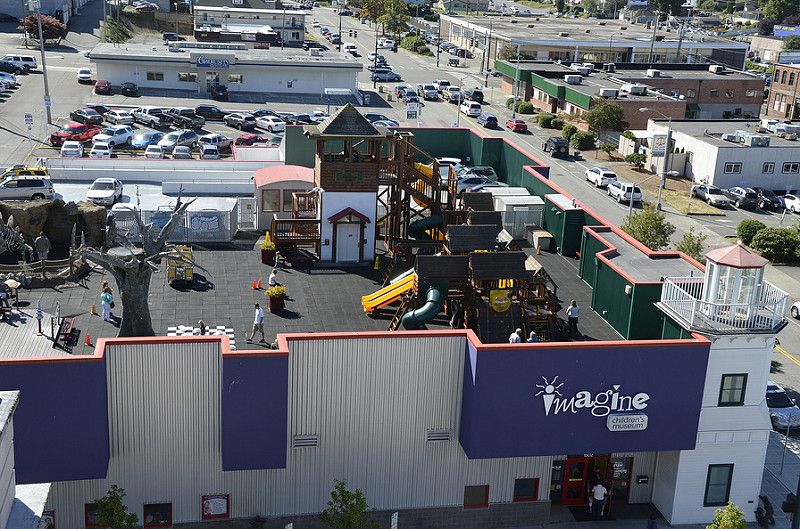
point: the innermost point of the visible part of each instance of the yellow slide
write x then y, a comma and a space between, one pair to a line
388, 294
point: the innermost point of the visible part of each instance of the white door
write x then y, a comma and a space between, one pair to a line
347, 242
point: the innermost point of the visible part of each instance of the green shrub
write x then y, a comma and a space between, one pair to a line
430, 17
779, 245
636, 159
568, 130
748, 228
545, 120
557, 123
608, 148
415, 44
523, 107
582, 140
509, 102
628, 134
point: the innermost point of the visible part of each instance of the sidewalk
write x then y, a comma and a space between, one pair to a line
775, 485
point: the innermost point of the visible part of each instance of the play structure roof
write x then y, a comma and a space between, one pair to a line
347, 122
493, 266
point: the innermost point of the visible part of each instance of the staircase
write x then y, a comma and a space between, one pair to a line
389, 270
540, 324
405, 306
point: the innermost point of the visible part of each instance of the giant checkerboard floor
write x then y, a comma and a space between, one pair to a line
188, 330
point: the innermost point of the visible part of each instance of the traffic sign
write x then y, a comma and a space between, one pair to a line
28, 118
47, 101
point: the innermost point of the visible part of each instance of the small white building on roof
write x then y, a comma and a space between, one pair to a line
232, 23
273, 190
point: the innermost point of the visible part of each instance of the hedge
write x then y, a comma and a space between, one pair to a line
582, 140
525, 108
568, 130
779, 245
748, 228
557, 123
545, 120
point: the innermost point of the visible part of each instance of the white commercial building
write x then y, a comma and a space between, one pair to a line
199, 69
238, 23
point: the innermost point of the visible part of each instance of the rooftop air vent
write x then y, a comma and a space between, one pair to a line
608, 92
587, 30
305, 441
716, 68
623, 27
601, 23
572, 79
513, 21
653, 73
563, 34
441, 434
729, 137
238, 2
531, 25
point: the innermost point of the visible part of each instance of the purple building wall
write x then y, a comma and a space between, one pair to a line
61, 422
538, 401
255, 397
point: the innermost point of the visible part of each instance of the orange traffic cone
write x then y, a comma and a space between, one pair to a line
94, 310
259, 283
538, 250
88, 340
254, 285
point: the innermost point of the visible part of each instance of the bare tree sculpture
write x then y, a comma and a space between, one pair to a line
133, 267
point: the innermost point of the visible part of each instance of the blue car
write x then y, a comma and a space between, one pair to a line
146, 138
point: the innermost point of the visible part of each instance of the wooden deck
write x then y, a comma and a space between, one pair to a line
21, 329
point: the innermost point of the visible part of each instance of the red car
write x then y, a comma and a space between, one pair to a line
100, 109
74, 132
102, 87
517, 125
248, 139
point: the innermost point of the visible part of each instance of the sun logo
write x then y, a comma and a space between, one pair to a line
548, 391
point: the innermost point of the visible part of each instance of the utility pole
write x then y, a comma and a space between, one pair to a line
516, 85
176, 17
653, 40
36, 4
439, 42
283, 27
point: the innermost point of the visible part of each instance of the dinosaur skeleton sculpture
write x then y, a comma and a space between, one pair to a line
11, 239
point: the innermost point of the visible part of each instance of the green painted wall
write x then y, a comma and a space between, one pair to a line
645, 318
609, 300
587, 267
547, 87
578, 98
299, 149
511, 70
671, 330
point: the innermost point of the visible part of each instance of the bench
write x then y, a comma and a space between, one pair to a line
65, 330
301, 257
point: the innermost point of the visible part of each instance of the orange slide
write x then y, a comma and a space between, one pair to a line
388, 294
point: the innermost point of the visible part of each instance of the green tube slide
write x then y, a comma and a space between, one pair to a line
434, 302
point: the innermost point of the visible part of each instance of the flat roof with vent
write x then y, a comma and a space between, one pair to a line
711, 132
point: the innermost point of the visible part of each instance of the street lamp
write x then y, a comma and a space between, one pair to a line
666, 152
36, 4
516, 86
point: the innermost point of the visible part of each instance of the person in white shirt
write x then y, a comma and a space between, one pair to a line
273, 278
599, 493
515, 337
258, 324
572, 317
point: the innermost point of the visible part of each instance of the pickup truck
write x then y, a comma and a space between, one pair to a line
151, 116
185, 118
441, 84
452, 94
74, 132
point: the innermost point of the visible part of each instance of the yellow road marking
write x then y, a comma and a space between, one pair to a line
787, 355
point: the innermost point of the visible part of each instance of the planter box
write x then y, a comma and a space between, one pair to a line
268, 257
276, 305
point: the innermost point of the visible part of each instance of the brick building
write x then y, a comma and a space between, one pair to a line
784, 98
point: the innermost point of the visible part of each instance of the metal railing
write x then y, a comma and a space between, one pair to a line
681, 298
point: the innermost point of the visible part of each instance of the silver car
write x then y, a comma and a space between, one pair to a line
185, 137
782, 410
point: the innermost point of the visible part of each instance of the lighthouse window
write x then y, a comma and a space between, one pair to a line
731, 392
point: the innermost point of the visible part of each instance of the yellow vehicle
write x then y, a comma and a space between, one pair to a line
179, 266
23, 170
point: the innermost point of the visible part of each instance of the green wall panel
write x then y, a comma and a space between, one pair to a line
672, 331
578, 98
547, 87
645, 318
609, 300
299, 149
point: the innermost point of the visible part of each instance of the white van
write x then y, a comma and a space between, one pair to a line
350, 48
25, 62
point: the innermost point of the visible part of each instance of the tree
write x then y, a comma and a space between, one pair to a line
779, 245
731, 517
649, 227
112, 513
606, 114
792, 43
52, 28
507, 52
133, 267
347, 510
748, 228
673, 7
394, 14
765, 25
636, 159
707, 5
780, 9
692, 245
591, 6
608, 148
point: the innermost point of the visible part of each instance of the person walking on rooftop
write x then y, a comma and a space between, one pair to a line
42, 244
258, 324
107, 300
572, 317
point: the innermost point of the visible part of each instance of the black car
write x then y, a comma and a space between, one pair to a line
210, 112
742, 197
87, 116
345, 13
219, 93
299, 119
128, 89
473, 94
488, 121
308, 44
9, 67
767, 199
497, 74
169, 36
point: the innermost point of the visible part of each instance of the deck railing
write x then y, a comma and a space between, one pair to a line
681, 298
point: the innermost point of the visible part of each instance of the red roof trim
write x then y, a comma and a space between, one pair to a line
345, 212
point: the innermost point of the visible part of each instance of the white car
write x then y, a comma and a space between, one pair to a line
72, 149
114, 135
119, 117
621, 191
600, 176
209, 152
469, 182
791, 202
218, 140
470, 108
10, 78
795, 310
181, 152
101, 150
154, 152
318, 116
315, 24
105, 191
270, 123
85, 75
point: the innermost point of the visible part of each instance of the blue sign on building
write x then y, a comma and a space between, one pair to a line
210, 62
785, 31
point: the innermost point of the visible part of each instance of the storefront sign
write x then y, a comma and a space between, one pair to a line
215, 506
659, 146
210, 62
620, 422
600, 404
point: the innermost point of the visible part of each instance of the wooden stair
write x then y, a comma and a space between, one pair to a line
405, 305
389, 270
540, 324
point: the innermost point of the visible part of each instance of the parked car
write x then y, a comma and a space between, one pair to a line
767, 199
310, 44
128, 89
410, 96
712, 195
386, 123
373, 117
26, 188
114, 135
9, 67
470, 108
240, 120
179, 137
151, 116
248, 139
783, 411
452, 94
185, 118
219, 93
87, 116
488, 121
486, 186
795, 310
557, 146
143, 139
480, 170
209, 152
101, 150
742, 197
270, 123
382, 74
318, 116
517, 125
624, 191
24, 62
100, 109
102, 87
469, 182
791, 202
74, 132
155, 152
119, 117
105, 192
473, 94
210, 112
600, 176
72, 149
9, 78
427, 91
220, 141
299, 119
276, 140
170, 36
84, 75
181, 152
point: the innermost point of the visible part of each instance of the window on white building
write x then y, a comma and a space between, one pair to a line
155, 76
234, 79
718, 485
791, 167
768, 168
187, 77
731, 391
733, 168
750, 93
